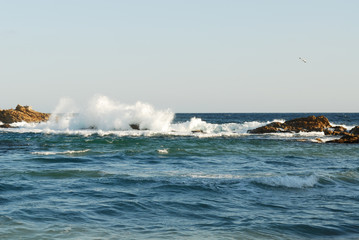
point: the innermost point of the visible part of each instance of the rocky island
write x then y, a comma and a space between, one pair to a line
21, 114
311, 124
308, 124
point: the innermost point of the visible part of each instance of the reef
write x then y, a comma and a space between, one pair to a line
349, 137
311, 124
21, 114
307, 124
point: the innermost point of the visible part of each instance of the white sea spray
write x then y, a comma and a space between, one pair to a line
105, 114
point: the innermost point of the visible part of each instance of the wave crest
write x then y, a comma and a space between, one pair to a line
106, 114
289, 181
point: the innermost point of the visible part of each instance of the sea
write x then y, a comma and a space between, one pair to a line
88, 175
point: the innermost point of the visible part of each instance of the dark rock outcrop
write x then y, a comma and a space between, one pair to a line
351, 137
135, 126
307, 124
21, 114
354, 130
346, 139
337, 130
312, 124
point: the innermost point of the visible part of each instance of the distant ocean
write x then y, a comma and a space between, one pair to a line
186, 176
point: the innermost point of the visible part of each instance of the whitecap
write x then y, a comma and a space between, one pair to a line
61, 153
163, 151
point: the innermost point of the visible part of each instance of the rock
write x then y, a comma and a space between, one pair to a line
270, 128
346, 139
197, 131
22, 114
337, 130
355, 130
307, 124
6, 125
350, 137
135, 126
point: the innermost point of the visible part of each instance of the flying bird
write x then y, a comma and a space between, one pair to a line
305, 61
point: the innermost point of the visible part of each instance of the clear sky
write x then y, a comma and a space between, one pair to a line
188, 55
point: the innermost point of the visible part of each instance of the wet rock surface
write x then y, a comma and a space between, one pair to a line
337, 130
349, 137
354, 130
311, 124
346, 139
307, 124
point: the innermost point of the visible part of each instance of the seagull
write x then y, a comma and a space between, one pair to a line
305, 61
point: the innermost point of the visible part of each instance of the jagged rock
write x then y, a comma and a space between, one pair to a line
355, 130
346, 139
23, 108
22, 114
350, 137
337, 130
307, 124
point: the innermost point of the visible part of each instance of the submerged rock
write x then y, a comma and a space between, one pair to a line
21, 114
307, 124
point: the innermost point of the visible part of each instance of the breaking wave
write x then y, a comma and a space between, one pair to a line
104, 116
70, 152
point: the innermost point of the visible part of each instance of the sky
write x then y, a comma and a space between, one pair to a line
188, 55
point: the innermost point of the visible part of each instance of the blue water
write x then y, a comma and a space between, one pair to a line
219, 184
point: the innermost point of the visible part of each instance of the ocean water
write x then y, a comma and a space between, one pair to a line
86, 176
